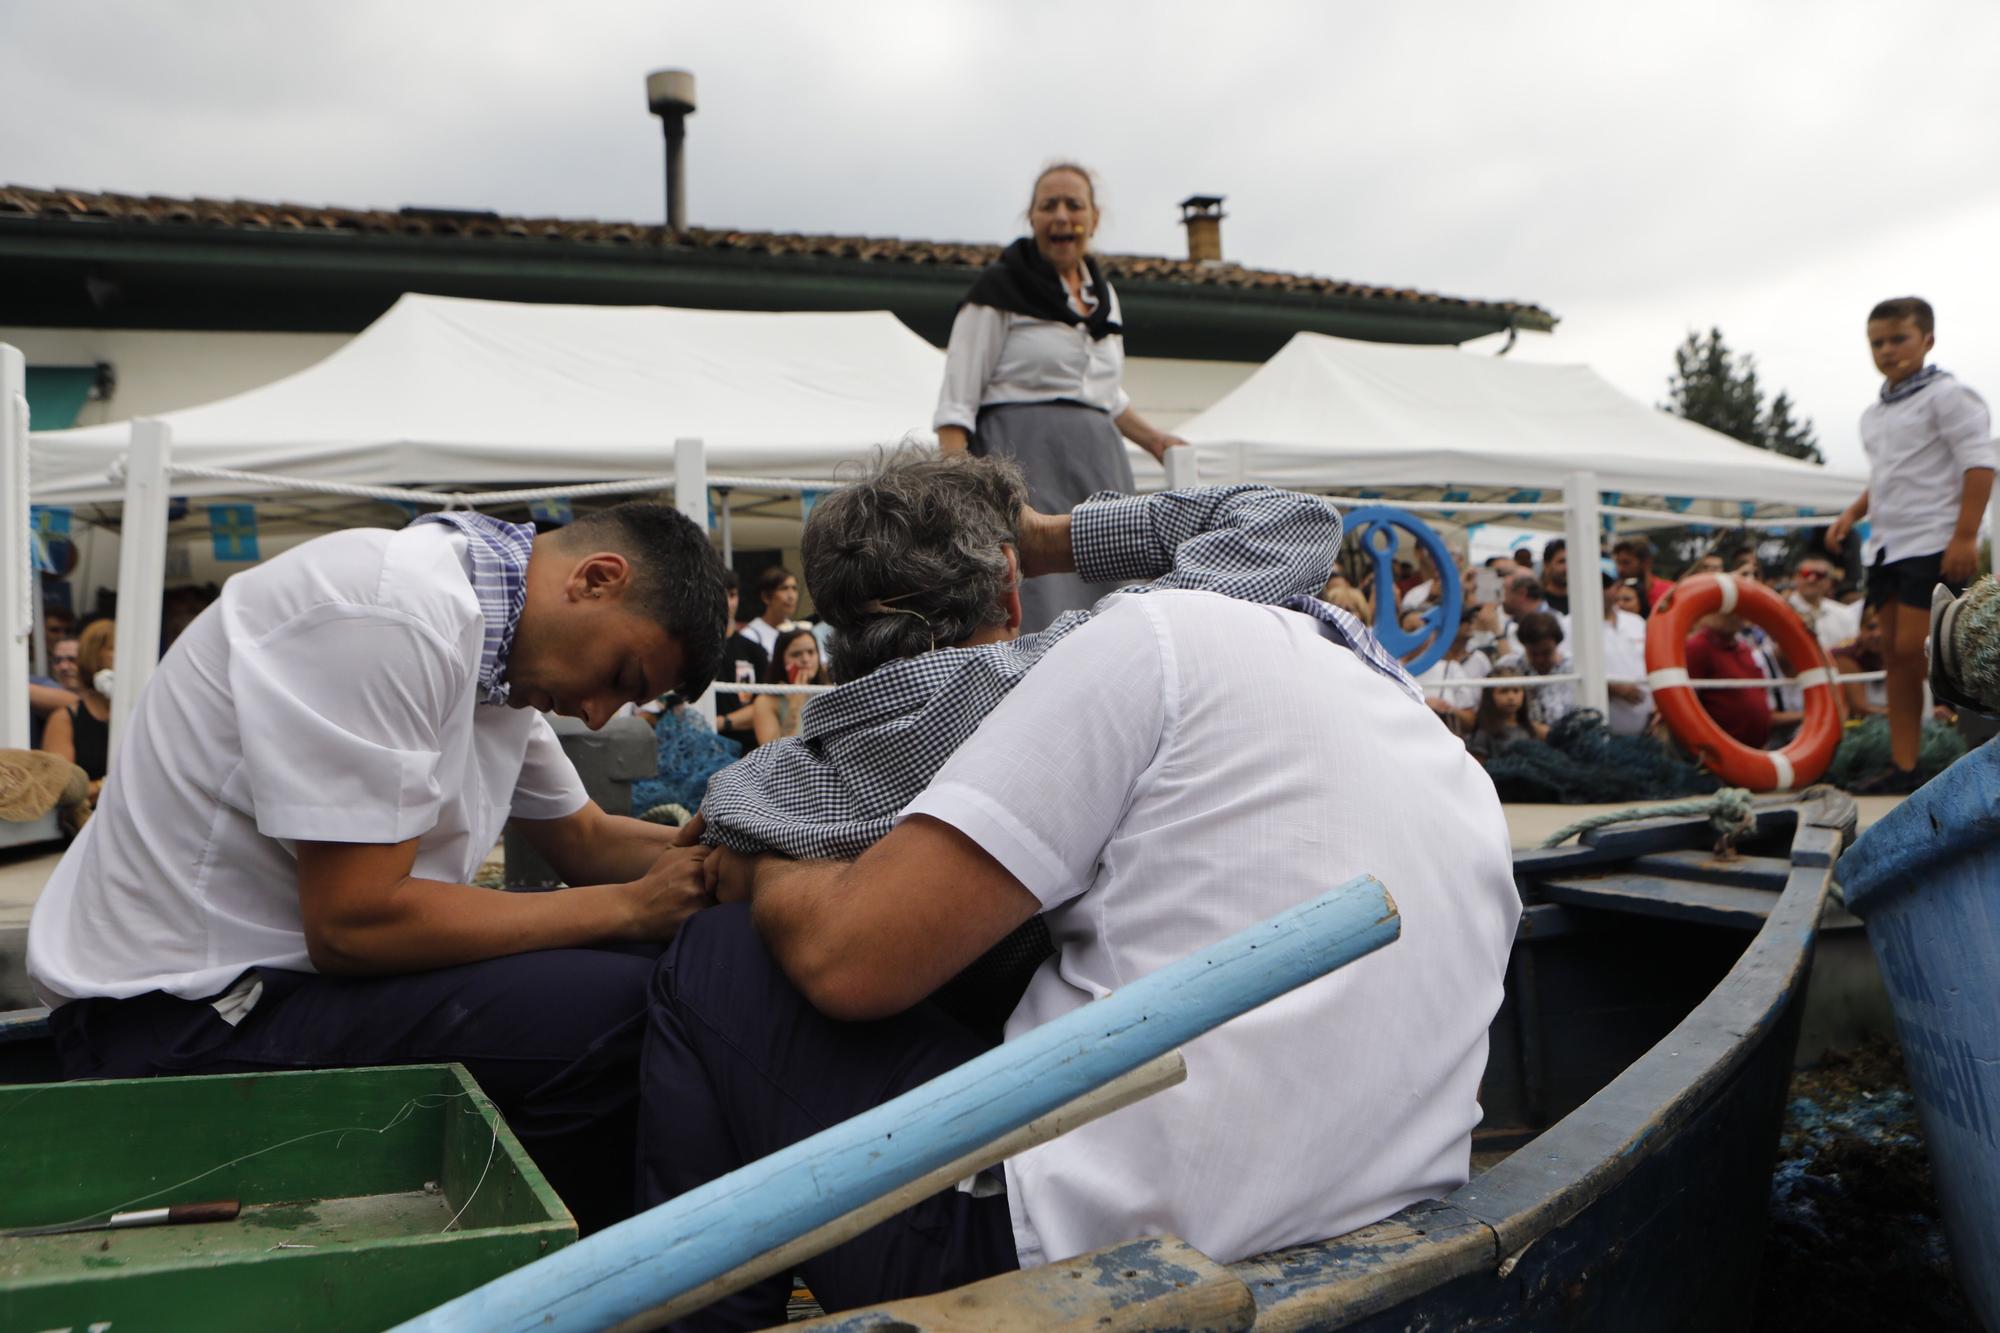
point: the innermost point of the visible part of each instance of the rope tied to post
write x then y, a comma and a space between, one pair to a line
1729, 811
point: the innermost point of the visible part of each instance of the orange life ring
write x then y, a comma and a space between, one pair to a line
1809, 752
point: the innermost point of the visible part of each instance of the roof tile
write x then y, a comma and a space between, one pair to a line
22, 202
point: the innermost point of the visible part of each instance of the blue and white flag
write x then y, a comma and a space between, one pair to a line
234, 530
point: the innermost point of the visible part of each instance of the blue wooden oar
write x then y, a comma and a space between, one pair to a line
627, 1270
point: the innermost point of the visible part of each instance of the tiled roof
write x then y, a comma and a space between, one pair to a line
21, 202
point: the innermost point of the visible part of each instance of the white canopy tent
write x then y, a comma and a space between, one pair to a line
1329, 414
461, 393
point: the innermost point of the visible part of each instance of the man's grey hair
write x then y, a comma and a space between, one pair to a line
909, 558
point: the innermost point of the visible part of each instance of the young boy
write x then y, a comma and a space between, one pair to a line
1930, 471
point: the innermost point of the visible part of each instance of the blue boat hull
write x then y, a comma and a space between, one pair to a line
1926, 880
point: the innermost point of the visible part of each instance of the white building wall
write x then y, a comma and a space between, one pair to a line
159, 370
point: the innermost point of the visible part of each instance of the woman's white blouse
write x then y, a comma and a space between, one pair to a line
997, 356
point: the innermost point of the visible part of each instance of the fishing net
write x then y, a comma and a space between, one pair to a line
1581, 762
1864, 752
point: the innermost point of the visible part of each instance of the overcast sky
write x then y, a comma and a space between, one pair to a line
1640, 169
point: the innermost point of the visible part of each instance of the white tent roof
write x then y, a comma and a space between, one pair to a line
445, 391
1329, 413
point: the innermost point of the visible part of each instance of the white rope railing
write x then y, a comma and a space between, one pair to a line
1761, 683
1711, 520
734, 687
268, 481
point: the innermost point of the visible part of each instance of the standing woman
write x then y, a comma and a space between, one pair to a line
82, 734
1033, 370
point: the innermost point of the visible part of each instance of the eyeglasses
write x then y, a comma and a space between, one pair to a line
61, 658
1814, 574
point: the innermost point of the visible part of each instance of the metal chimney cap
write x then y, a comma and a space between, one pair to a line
670, 92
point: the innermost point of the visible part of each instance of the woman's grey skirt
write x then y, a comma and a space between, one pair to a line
1068, 452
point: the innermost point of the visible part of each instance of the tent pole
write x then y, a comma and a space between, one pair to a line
1586, 596
691, 498
17, 566
142, 569
728, 539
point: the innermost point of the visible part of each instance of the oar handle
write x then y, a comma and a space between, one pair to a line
217, 1210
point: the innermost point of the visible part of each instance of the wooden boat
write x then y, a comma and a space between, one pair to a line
1926, 879
1634, 1095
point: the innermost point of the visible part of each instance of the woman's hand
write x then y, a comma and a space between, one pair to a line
952, 439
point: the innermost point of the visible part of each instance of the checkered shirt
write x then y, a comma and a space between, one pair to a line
865, 750
499, 552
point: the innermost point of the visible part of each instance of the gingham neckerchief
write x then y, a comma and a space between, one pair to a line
867, 749
1895, 393
499, 552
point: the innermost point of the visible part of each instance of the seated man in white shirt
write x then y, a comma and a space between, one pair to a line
276, 877
1175, 769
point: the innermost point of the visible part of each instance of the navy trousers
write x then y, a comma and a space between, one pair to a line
738, 1064
552, 1037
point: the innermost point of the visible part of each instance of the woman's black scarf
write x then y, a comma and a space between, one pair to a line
1026, 284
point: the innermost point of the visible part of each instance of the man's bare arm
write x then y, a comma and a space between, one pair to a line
870, 938
364, 914
593, 847
1961, 554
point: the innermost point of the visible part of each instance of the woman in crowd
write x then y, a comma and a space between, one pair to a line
1033, 370
1502, 717
748, 653
795, 662
82, 734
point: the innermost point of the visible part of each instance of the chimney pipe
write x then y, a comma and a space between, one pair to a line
670, 95
1202, 215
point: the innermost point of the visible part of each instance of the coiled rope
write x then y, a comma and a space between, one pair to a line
1729, 810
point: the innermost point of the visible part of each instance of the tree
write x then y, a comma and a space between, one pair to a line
1719, 389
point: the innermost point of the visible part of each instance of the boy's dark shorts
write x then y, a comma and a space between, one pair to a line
1907, 581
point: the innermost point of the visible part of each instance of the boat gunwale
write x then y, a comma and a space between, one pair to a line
1487, 1224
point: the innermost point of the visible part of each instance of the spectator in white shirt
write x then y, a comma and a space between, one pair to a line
1178, 744
1834, 623
1033, 368
1631, 702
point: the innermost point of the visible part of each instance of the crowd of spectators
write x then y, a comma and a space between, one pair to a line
1519, 619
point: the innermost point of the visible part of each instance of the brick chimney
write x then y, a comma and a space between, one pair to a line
1202, 215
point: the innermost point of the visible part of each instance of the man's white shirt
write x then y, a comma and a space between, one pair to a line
328, 695
1176, 770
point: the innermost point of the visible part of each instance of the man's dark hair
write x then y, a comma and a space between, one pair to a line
1538, 627
1493, 560
730, 583
676, 578
1525, 584
1637, 547
1906, 307
1555, 544
908, 559
770, 581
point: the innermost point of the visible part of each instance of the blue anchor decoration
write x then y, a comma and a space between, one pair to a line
1373, 528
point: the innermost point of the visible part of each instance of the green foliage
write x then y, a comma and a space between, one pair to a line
1718, 388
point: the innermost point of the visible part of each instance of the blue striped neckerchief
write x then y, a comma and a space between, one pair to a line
499, 553
1896, 393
